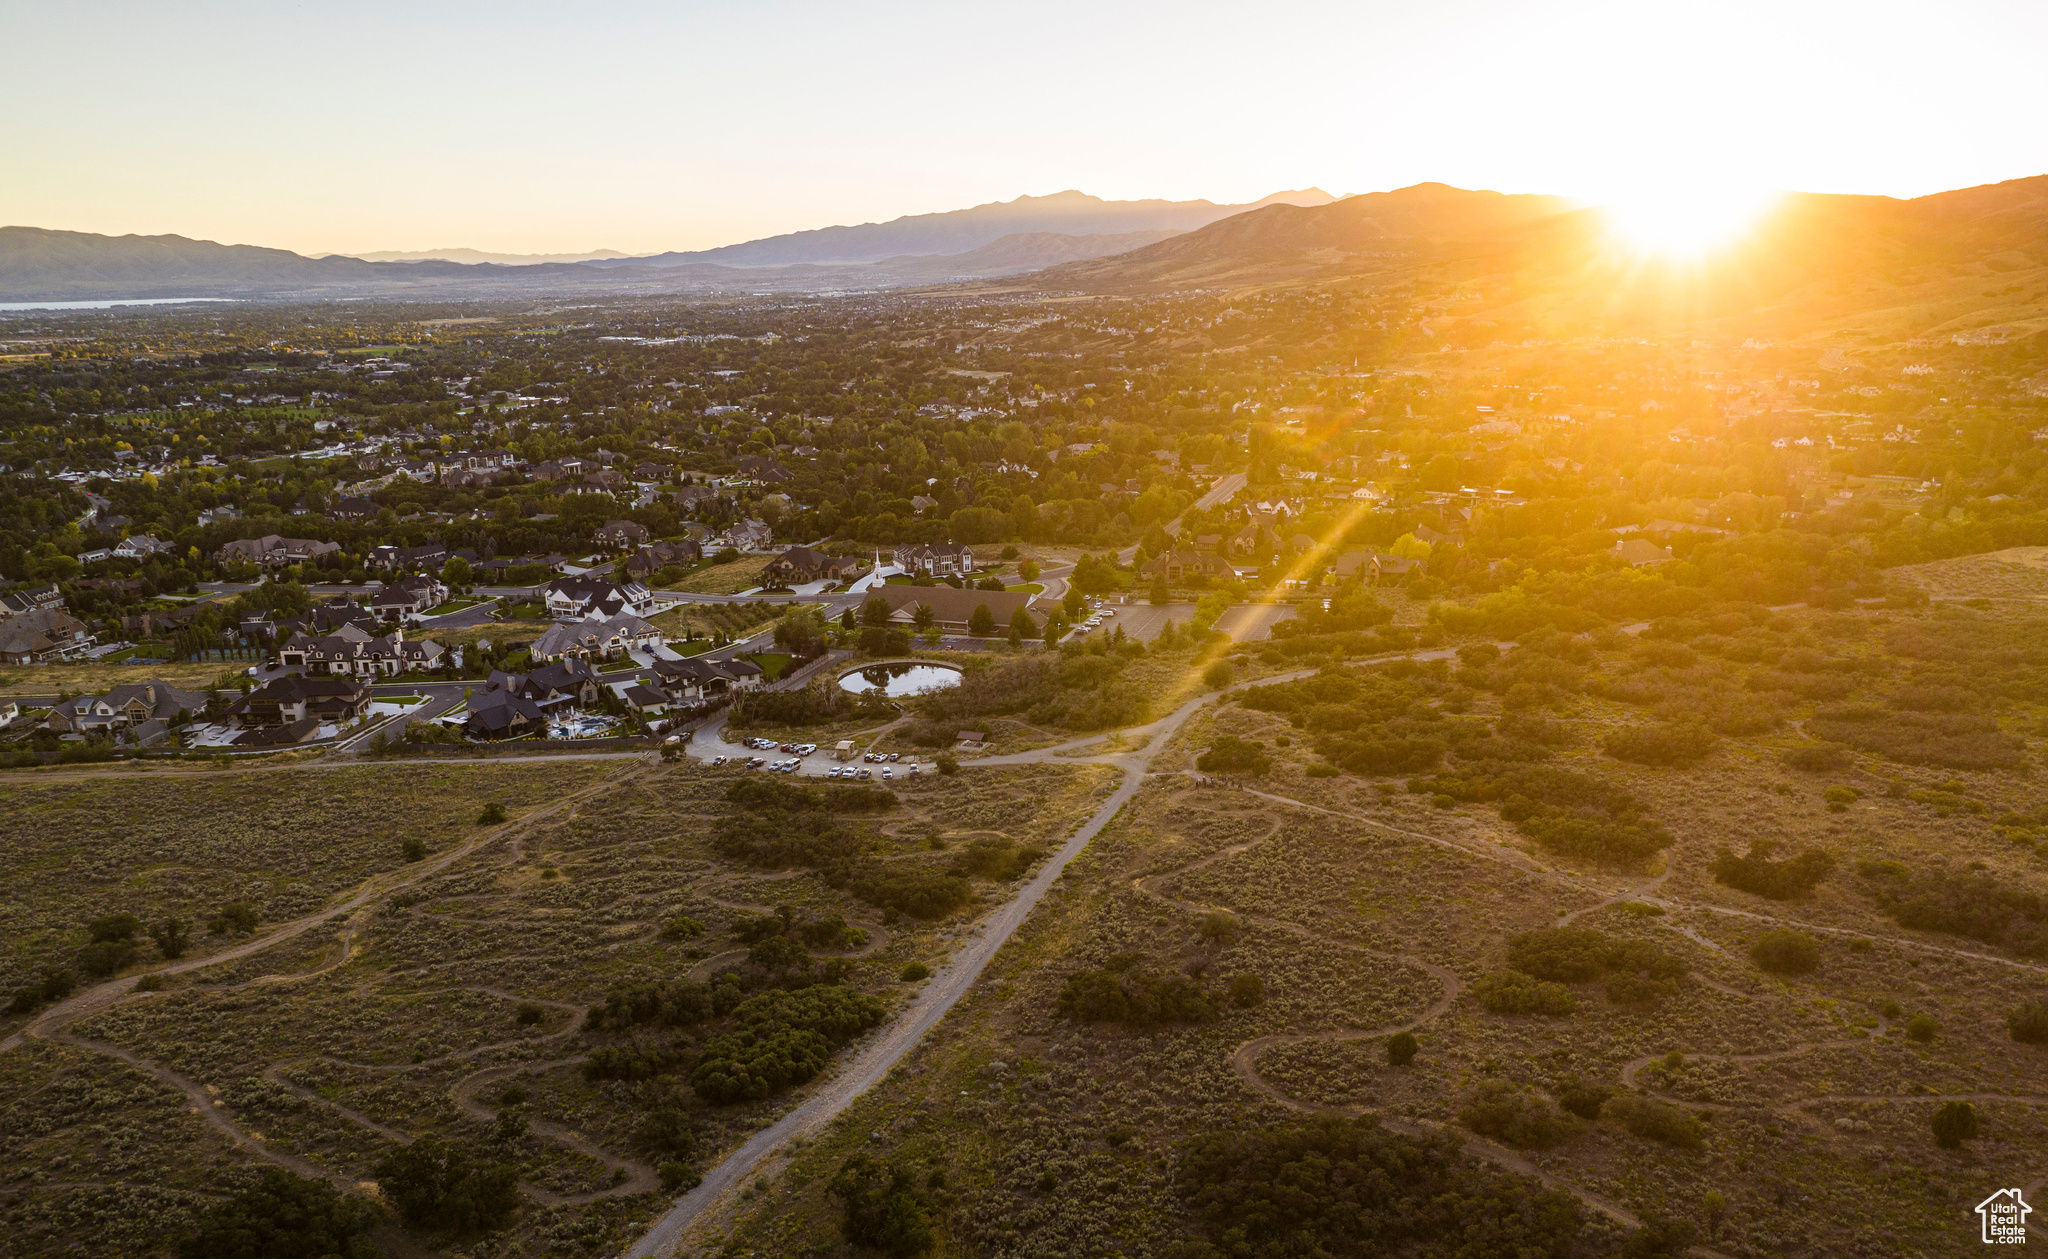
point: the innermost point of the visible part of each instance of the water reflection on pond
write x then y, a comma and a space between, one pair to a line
900, 679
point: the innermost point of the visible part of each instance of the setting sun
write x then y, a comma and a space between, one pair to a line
1685, 222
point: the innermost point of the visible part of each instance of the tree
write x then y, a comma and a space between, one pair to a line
456, 572
882, 1207
1786, 953
1714, 1208
493, 814
283, 1217
173, 936
923, 617
876, 611
1021, 624
1075, 603
1161, 594
983, 623
800, 634
434, 1184
1028, 570
1954, 1123
1055, 628
1401, 1047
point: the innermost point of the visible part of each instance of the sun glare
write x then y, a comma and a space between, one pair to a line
1684, 223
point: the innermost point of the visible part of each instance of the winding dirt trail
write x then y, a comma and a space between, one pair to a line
355, 908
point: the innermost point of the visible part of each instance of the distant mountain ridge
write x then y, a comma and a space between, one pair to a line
478, 255
1067, 213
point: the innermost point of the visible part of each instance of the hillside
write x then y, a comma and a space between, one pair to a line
1876, 264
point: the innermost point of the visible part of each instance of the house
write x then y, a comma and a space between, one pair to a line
620, 534
285, 701
399, 558
644, 699
1641, 552
563, 682
272, 551
124, 707
749, 535
691, 495
1178, 566
1257, 538
29, 600
212, 514
140, 547
649, 560
282, 735
42, 635
953, 609
650, 472
352, 509
95, 555
602, 640
696, 680
800, 565
325, 618
353, 652
1373, 568
761, 468
942, 559
582, 598
400, 600
496, 712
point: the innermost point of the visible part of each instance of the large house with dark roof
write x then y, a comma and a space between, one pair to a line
284, 701
581, 598
42, 634
800, 565
601, 640
352, 652
954, 609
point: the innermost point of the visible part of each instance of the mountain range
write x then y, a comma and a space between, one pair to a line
1519, 265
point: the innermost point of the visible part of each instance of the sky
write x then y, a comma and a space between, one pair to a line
643, 127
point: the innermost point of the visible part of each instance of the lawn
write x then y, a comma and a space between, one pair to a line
773, 663
727, 579
496, 631
456, 605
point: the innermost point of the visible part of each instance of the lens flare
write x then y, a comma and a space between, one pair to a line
1684, 223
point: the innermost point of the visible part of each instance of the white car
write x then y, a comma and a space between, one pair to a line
888, 773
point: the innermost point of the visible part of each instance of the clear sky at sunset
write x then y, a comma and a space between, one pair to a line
534, 127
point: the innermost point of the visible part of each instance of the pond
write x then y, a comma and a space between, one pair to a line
900, 679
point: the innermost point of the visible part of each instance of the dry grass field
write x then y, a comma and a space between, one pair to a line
1032, 1123
453, 996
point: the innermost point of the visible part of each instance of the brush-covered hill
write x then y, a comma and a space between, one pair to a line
1953, 261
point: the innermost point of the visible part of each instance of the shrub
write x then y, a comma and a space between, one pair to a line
172, 936
785, 1038
527, 1014
1950, 740
1582, 1099
1566, 811
1219, 675
683, 928
282, 1216
1785, 952
1970, 903
1001, 860
1514, 993
1370, 1192
881, 1207
1921, 1028
1247, 990
415, 849
1816, 758
1756, 873
238, 917
1517, 1116
914, 971
1953, 1124
1323, 771
1661, 744
918, 891
1401, 1049
114, 928
2029, 1024
1840, 797
435, 1184
1135, 997
947, 764
652, 1003
102, 958
1657, 1121
493, 814
55, 984
1232, 755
